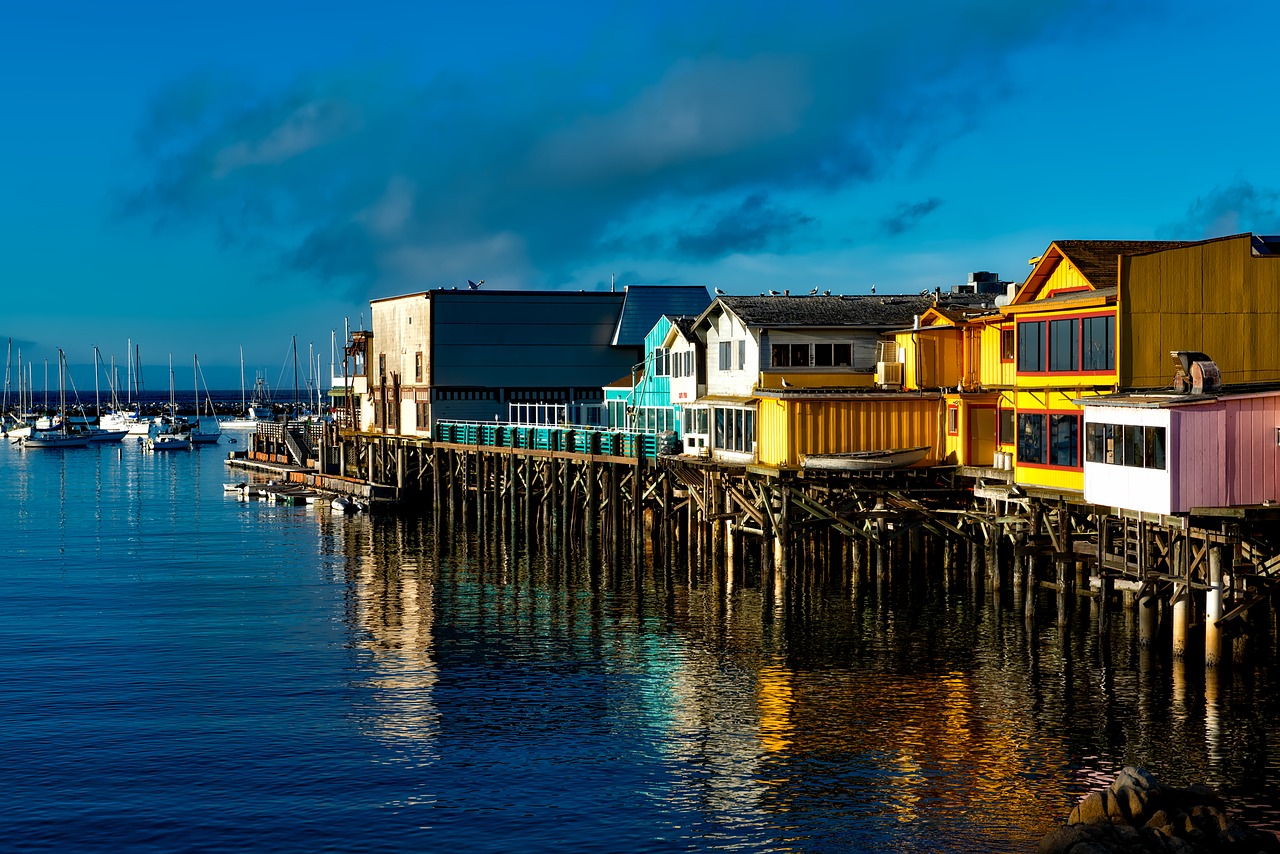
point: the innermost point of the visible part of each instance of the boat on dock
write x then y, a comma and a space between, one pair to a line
58, 432
866, 460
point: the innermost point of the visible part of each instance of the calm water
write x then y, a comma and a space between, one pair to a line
186, 672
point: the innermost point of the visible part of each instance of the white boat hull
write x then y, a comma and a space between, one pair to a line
866, 460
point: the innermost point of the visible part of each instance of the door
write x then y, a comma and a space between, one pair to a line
982, 436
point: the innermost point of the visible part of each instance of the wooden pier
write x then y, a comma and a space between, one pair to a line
1204, 581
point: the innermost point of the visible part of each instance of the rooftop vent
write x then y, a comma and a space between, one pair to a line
1197, 373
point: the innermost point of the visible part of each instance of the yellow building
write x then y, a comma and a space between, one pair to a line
1098, 316
945, 353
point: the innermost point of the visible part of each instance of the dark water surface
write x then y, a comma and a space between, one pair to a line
185, 672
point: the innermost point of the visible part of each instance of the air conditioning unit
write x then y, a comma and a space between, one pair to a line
887, 351
889, 374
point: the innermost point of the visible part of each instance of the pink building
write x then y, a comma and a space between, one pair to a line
1171, 453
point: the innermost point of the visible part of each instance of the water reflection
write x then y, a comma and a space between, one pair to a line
898, 713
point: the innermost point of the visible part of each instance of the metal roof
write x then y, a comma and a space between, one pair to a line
644, 304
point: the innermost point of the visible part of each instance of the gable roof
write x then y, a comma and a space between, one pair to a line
642, 305
1097, 260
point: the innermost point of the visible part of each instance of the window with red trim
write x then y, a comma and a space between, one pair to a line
953, 420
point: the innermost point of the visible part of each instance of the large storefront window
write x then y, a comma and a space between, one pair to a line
1064, 440
1031, 438
735, 429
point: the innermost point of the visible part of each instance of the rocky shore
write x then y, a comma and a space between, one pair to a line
1139, 813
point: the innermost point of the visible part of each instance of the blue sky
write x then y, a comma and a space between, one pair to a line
204, 177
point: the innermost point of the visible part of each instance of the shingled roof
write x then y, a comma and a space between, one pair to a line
873, 312
1099, 260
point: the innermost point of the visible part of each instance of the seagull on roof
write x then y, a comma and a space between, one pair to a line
719, 292
826, 293
785, 384
773, 293
475, 286
812, 292
873, 289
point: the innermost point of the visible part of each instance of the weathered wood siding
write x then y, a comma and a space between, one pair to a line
1215, 297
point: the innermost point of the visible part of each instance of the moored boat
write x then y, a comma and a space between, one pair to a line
866, 460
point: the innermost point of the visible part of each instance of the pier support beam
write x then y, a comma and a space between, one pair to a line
1181, 599
1148, 617
1213, 610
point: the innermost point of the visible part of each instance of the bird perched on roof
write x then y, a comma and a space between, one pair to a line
873, 289
785, 384
925, 292
475, 286
719, 292
812, 292
773, 293
826, 293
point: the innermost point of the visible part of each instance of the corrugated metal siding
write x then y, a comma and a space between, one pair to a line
791, 428
930, 359
1215, 297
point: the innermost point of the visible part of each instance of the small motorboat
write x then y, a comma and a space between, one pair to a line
343, 504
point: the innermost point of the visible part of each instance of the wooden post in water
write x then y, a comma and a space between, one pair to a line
781, 550
591, 510
1181, 594
1213, 609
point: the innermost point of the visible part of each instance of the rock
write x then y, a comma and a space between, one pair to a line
1139, 813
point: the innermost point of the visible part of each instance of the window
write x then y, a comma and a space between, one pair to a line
417, 367
726, 355
1031, 438
1064, 347
842, 355
1095, 443
1154, 447
780, 356
1135, 445
742, 354
1031, 346
382, 367
1064, 440
1126, 445
1006, 424
1006, 344
661, 364
953, 420
822, 357
799, 356
735, 430
1099, 337
423, 414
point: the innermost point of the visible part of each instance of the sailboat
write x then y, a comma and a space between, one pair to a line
255, 411
130, 417
199, 433
99, 432
58, 433
164, 435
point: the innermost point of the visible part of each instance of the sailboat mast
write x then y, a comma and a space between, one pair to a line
62, 392
97, 407
295, 376
243, 407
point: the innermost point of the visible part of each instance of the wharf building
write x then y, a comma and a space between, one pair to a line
1059, 443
